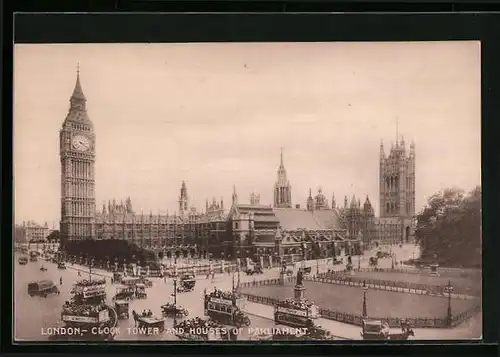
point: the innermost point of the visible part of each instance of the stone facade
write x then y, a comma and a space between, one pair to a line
275, 231
31, 232
77, 154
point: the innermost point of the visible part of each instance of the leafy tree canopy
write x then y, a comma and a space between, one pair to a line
53, 237
449, 228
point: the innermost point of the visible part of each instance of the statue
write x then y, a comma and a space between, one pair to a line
300, 277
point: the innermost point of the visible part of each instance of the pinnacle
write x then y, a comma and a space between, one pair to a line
78, 91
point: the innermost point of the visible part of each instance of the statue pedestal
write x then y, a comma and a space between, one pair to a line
299, 292
282, 278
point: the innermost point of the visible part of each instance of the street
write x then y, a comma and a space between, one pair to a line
32, 314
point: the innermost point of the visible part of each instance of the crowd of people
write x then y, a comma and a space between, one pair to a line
224, 295
76, 309
197, 323
146, 313
87, 283
297, 304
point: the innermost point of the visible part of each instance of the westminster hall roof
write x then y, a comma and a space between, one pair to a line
295, 219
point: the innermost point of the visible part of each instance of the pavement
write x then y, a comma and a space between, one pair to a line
34, 315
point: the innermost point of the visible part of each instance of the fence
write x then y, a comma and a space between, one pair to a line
197, 269
387, 285
203, 269
451, 272
356, 319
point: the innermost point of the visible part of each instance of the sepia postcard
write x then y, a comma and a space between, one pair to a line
247, 191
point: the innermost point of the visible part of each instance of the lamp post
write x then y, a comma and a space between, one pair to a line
365, 289
449, 289
317, 267
359, 262
90, 269
175, 299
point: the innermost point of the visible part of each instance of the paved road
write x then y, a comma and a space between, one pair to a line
33, 315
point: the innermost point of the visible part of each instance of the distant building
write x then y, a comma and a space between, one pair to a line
397, 201
183, 234
275, 231
31, 231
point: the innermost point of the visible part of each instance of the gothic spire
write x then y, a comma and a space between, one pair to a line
78, 98
353, 201
235, 195
281, 158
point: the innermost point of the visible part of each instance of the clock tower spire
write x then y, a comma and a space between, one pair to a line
78, 99
77, 154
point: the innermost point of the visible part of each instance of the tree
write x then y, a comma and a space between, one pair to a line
450, 228
53, 237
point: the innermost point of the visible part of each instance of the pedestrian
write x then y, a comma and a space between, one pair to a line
60, 280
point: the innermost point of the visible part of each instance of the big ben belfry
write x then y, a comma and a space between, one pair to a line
77, 153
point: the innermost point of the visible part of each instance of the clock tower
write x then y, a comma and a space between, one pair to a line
77, 153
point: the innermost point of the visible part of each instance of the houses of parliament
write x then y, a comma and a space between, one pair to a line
245, 228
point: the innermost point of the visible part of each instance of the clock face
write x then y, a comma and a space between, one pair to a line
81, 143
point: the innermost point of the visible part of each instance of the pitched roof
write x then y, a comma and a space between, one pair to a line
294, 219
257, 209
266, 218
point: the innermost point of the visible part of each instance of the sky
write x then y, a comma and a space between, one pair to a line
217, 115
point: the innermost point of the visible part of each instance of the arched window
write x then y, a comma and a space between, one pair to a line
235, 225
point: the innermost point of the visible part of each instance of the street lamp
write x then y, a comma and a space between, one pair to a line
175, 300
365, 289
449, 289
90, 269
317, 267
359, 262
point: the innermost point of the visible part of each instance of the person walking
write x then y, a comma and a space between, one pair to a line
60, 280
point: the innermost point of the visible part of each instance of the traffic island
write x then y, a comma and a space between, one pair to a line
344, 304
